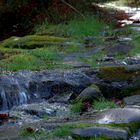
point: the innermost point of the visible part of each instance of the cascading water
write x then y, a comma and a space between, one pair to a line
11, 93
22, 98
3, 100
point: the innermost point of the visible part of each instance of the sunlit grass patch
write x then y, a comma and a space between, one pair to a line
76, 28
37, 59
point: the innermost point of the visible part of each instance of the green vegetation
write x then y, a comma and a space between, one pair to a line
103, 104
37, 59
45, 117
76, 28
76, 107
31, 41
26, 133
39, 52
61, 131
136, 49
93, 59
37, 135
65, 130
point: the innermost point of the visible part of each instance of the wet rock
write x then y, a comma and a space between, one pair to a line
25, 86
106, 58
90, 93
42, 109
89, 42
120, 48
132, 61
136, 136
124, 39
114, 89
63, 98
132, 100
100, 131
119, 116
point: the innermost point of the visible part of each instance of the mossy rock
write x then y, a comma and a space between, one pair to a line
90, 93
119, 73
32, 41
100, 132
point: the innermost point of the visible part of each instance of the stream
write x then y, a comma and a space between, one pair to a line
132, 12
28, 97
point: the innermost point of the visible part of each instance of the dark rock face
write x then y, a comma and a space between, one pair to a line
100, 131
26, 86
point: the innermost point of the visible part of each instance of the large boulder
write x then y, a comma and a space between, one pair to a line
132, 100
94, 132
119, 81
40, 110
119, 116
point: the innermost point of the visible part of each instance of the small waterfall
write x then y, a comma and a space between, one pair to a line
22, 98
22, 95
4, 101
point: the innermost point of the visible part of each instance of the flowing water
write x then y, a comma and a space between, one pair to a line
132, 12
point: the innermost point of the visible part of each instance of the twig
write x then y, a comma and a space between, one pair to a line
77, 11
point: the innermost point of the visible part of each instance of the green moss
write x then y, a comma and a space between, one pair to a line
120, 73
96, 87
31, 41
96, 138
131, 128
37, 59
65, 130
21, 61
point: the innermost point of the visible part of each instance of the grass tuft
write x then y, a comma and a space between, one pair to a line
103, 104
76, 28
76, 107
